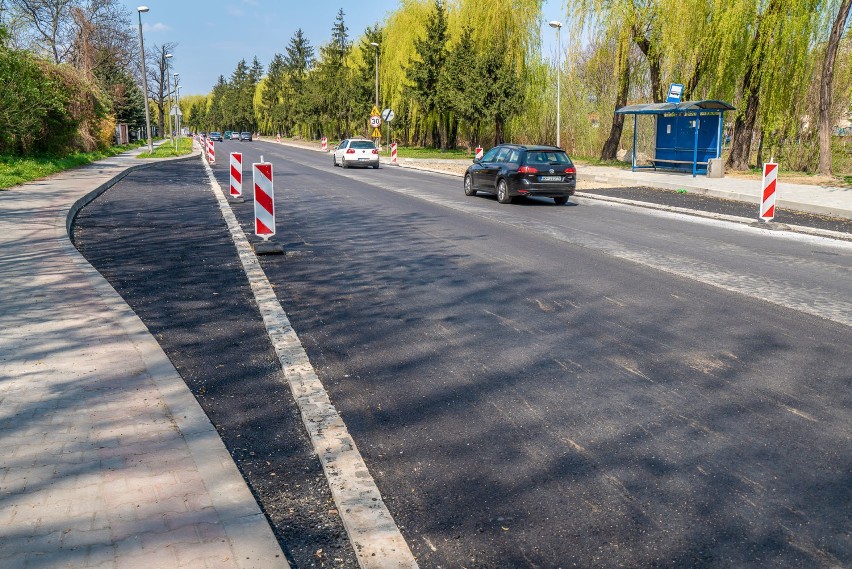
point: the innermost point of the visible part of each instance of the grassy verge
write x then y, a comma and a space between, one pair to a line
418, 152
16, 170
167, 150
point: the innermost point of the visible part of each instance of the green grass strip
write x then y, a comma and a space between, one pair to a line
167, 149
15, 170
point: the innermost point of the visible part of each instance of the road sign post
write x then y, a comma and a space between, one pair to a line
375, 122
387, 116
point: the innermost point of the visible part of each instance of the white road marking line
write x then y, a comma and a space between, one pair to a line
375, 537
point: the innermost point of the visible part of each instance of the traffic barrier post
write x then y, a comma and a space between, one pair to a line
236, 174
264, 200
767, 202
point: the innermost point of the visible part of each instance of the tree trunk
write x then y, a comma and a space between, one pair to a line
610, 147
498, 130
760, 147
654, 66
825, 88
692, 83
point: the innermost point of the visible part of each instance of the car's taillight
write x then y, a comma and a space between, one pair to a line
350, 151
375, 151
570, 170
527, 170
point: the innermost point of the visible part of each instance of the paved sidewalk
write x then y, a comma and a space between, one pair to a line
108, 460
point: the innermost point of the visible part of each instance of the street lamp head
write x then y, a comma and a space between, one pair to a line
554, 24
374, 44
176, 75
142, 9
169, 56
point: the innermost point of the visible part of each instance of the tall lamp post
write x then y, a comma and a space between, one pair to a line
169, 92
375, 45
141, 9
558, 25
177, 116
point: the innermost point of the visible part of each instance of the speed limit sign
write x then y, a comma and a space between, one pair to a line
375, 121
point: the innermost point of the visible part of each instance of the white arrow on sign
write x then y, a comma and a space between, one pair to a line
176, 112
388, 115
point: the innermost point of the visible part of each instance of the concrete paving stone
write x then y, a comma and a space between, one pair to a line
206, 521
182, 535
202, 556
13, 559
131, 527
149, 507
75, 538
50, 541
100, 555
163, 557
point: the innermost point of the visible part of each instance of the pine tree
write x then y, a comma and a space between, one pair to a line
424, 73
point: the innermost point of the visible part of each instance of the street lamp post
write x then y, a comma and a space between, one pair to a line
141, 9
169, 93
375, 45
177, 116
558, 25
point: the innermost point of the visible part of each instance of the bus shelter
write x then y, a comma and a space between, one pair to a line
688, 134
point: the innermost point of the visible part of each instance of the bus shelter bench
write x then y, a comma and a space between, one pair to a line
666, 161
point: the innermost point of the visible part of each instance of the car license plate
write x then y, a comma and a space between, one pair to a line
550, 178
363, 159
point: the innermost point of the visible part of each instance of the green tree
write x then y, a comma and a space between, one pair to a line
502, 92
298, 61
424, 73
462, 88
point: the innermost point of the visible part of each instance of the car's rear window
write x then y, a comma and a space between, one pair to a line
362, 144
553, 157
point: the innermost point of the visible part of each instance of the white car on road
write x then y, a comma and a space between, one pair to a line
356, 152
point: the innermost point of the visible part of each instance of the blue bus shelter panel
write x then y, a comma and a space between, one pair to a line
675, 139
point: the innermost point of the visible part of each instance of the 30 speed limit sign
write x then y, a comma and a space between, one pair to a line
375, 121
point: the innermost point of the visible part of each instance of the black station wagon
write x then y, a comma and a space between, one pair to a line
512, 170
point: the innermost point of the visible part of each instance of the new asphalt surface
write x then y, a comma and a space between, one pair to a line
159, 239
520, 399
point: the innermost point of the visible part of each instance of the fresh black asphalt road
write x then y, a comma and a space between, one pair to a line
530, 385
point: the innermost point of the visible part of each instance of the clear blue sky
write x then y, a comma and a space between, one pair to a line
214, 35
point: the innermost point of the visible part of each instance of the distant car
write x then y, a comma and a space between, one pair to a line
512, 170
228, 135
215, 136
245, 136
356, 152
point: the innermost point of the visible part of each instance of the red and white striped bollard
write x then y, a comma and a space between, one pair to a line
479, 153
211, 152
236, 174
264, 200
324, 144
393, 153
767, 201
278, 138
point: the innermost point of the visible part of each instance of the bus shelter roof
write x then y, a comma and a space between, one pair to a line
677, 108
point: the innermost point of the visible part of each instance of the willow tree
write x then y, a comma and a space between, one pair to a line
842, 15
777, 67
627, 22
